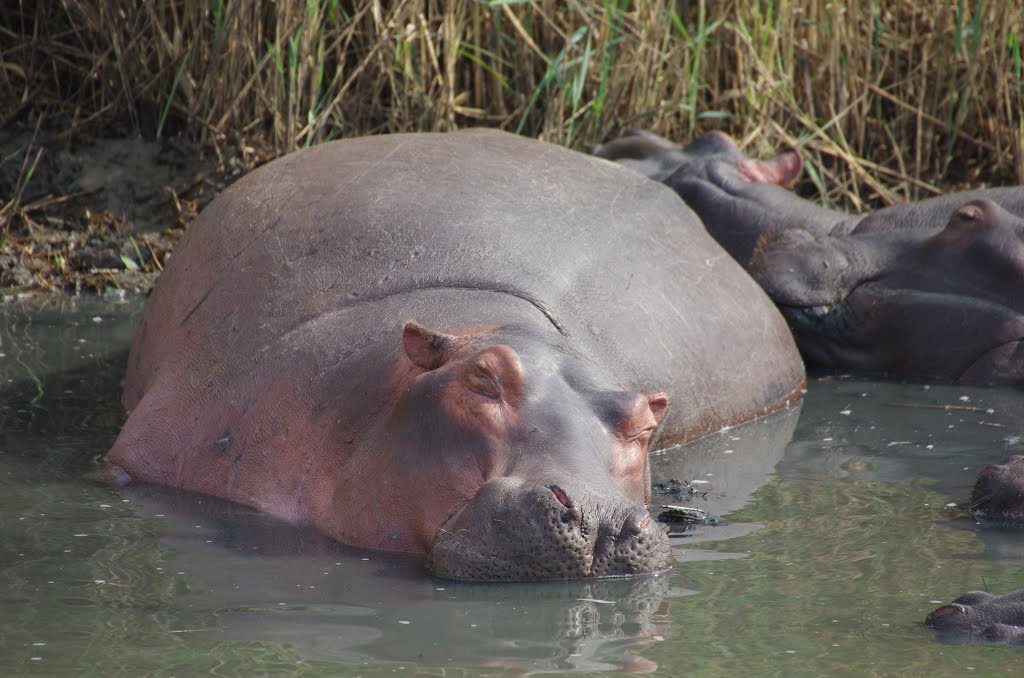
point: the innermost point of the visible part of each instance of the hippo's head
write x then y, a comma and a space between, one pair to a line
505, 458
874, 301
658, 158
980, 617
999, 491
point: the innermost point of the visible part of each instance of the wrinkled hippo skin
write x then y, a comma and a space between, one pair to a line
926, 303
927, 290
980, 617
999, 491
459, 346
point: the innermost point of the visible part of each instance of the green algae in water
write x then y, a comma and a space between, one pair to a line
838, 582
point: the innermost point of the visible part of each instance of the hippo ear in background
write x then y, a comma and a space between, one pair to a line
783, 169
428, 348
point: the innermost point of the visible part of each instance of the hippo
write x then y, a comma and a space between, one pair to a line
927, 290
998, 493
458, 346
977, 616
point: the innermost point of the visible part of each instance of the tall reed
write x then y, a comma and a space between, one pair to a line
888, 99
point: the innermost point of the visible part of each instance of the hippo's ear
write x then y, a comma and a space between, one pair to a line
658, 403
783, 169
965, 225
637, 414
428, 348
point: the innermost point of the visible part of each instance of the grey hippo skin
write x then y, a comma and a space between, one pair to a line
460, 346
979, 617
927, 290
999, 491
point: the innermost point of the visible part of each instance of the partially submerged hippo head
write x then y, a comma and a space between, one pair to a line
879, 300
658, 158
980, 617
999, 491
536, 471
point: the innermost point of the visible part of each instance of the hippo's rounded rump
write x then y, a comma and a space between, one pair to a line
276, 365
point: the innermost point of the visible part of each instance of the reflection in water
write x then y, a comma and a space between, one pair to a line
268, 581
838, 538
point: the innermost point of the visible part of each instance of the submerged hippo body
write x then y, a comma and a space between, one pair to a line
504, 433
932, 289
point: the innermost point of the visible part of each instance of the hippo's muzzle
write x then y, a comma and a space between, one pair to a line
514, 530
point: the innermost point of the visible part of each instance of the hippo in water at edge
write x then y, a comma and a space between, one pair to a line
974, 617
454, 345
932, 289
978, 616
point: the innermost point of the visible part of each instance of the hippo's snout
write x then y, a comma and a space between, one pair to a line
515, 530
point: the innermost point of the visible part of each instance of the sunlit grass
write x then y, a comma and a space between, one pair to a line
887, 100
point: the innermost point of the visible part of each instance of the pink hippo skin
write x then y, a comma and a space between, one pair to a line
460, 346
926, 290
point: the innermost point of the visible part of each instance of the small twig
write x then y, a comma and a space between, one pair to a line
48, 200
934, 406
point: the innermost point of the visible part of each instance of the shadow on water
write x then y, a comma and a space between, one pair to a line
835, 539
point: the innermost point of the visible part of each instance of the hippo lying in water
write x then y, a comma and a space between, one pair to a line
980, 617
932, 289
460, 346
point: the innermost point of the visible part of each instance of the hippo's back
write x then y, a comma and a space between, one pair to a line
608, 258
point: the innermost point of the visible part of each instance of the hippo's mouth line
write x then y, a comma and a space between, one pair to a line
445, 528
833, 321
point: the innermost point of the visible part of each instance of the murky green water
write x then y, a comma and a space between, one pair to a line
838, 543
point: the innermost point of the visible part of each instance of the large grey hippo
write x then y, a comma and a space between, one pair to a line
455, 345
932, 289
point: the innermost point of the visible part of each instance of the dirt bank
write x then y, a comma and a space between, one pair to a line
99, 214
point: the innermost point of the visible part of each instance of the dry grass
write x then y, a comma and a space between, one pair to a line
888, 99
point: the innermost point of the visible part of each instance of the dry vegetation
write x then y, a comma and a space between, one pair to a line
887, 99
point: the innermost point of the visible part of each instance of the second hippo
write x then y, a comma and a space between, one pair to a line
926, 290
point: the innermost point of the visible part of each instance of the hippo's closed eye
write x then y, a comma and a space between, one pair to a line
481, 379
495, 373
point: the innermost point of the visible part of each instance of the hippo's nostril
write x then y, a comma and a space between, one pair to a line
635, 524
560, 495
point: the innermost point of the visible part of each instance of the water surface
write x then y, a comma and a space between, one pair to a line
837, 539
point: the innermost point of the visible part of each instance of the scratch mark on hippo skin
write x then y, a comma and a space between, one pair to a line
222, 444
225, 269
417, 286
